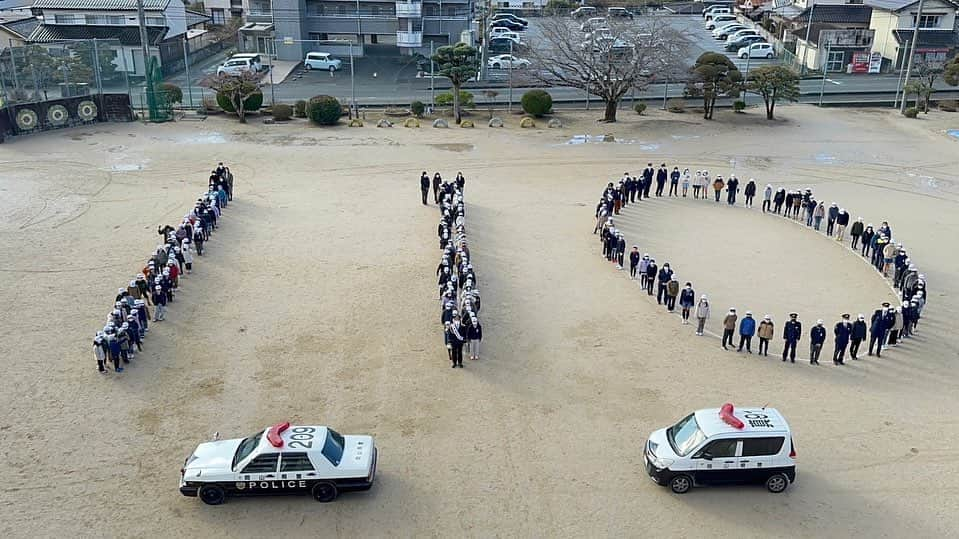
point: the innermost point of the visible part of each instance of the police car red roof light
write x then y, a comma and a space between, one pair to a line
726, 413
273, 434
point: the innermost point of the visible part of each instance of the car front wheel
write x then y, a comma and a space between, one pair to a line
681, 484
325, 492
769, 56
308, 67
777, 483
212, 494
743, 56
332, 69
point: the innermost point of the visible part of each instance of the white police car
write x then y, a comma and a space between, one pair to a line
281, 459
724, 445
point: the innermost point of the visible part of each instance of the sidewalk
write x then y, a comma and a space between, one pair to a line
281, 70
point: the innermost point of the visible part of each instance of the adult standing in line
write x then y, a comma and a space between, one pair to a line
792, 332
643, 264
661, 176
674, 177
686, 181
704, 184
425, 187
718, 185
767, 198
831, 218
672, 291
856, 231
877, 332
437, 187
651, 270
633, 262
697, 183
765, 333
702, 314
729, 327
750, 192
842, 221
818, 214
842, 333
665, 274
648, 174
686, 300
817, 337
888, 257
732, 187
747, 328
455, 339
857, 336
867, 235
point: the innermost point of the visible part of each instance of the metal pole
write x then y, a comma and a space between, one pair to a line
144, 40
359, 31
802, 70
912, 53
902, 70
272, 86
432, 89
352, 83
484, 35
509, 105
825, 68
666, 91
749, 56
186, 65
96, 67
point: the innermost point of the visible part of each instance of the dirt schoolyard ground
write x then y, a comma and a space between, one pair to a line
315, 302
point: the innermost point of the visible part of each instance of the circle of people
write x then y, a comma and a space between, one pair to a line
156, 284
888, 324
459, 297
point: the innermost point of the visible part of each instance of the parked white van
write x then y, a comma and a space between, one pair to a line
724, 445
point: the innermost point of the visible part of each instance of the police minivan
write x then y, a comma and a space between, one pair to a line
721, 446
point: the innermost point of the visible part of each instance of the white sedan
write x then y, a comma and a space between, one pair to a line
507, 61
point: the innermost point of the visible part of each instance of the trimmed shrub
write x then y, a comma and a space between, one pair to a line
640, 108
676, 105
251, 104
739, 105
171, 92
537, 102
282, 112
417, 108
445, 99
324, 109
299, 109
911, 112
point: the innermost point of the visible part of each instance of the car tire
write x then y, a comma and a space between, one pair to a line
212, 494
743, 56
308, 67
325, 492
497, 66
681, 484
769, 56
332, 69
777, 483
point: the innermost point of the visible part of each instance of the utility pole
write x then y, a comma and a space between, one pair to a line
825, 65
144, 40
352, 85
432, 78
802, 70
509, 105
912, 53
749, 55
186, 66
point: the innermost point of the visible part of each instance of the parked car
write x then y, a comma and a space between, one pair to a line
584, 11
507, 61
719, 21
508, 24
508, 35
619, 12
509, 16
723, 31
502, 45
322, 60
257, 61
757, 50
594, 23
716, 12
741, 33
734, 46
711, 9
235, 66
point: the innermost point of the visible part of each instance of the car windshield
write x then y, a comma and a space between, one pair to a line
685, 435
246, 447
333, 447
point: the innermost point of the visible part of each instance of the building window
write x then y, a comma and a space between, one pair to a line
927, 21
836, 61
115, 19
218, 15
155, 21
67, 19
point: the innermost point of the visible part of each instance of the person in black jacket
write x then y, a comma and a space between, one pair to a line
674, 182
867, 235
842, 221
424, 186
750, 192
651, 271
648, 174
778, 199
817, 337
665, 274
831, 215
437, 185
633, 262
620, 250
732, 187
455, 338
842, 332
792, 332
858, 335
856, 231
661, 176
475, 335
687, 298
877, 332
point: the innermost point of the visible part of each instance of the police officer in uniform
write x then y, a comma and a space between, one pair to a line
842, 332
792, 332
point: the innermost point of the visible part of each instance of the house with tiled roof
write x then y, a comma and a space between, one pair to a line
16, 27
894, 22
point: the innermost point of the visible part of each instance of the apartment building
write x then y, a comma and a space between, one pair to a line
402, 27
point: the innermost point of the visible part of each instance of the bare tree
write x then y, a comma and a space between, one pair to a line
924, 85
237, 88
608, 62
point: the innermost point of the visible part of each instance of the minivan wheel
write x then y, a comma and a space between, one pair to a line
212, 494
332, 69
324, 492
308, 67
777, 483
681, 484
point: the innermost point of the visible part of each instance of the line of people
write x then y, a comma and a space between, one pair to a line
887, 326
157, 282
460, 300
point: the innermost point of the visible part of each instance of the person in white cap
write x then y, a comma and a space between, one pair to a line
765, 333
729, 327
159, 301
702, 314
842, 221
100, 352
672, 292
817, 338
475, 334
831, 215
